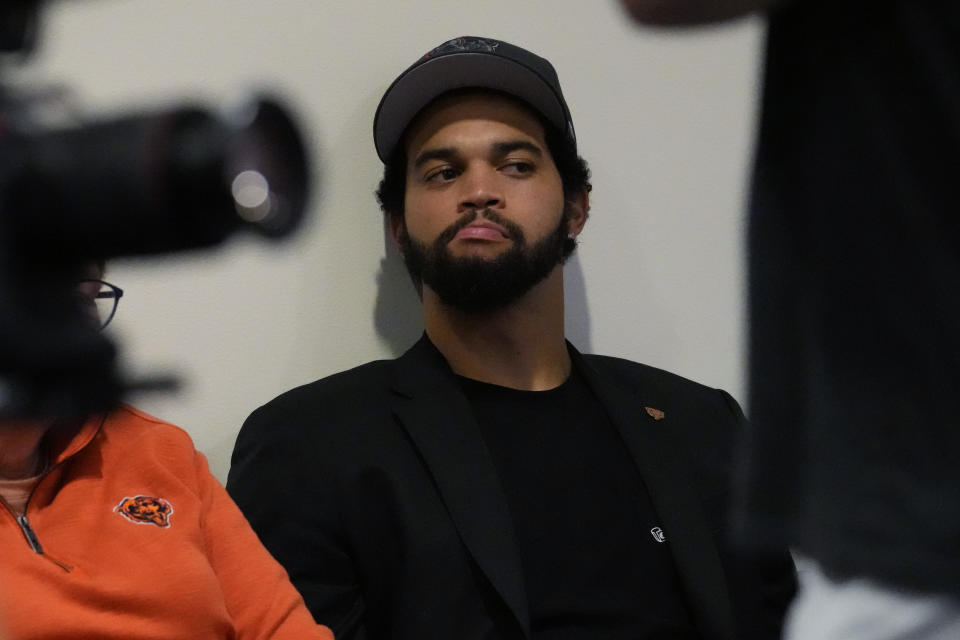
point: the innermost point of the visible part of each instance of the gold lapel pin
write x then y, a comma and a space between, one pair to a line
656, 414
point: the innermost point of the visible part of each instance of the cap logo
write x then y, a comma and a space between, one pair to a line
465, 43
146, 510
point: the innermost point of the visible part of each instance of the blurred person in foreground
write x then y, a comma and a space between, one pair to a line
494, 482
114, 527
854, 266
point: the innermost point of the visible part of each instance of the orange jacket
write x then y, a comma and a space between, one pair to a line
134, 538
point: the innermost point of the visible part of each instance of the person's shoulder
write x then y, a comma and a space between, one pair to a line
127, 422
131, 438
347, 412
355, 397
704, 421
637, 373
136, 422
663, 389
338, 389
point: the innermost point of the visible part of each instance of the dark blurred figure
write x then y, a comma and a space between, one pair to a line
854, 309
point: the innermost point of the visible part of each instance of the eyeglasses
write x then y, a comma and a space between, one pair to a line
99, 299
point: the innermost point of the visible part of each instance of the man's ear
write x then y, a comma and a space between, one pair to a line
395, 227
578, 208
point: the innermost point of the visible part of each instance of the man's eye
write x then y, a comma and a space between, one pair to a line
518, 167
442, 175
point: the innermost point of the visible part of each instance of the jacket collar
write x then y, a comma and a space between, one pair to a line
453, 449
65, 440
659, 456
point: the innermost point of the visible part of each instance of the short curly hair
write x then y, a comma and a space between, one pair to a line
574, 172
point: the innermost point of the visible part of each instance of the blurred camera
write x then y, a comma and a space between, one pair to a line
166, 180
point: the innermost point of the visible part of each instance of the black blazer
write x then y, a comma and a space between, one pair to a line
375, 490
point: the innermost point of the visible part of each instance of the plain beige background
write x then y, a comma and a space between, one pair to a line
665, 120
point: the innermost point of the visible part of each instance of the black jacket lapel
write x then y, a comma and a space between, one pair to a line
659, 458
430, 406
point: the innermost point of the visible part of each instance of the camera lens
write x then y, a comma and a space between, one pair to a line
176, 179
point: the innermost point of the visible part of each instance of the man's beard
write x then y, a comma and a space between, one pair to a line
478, 285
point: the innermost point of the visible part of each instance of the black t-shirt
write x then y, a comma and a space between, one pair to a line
855, 289
594, 562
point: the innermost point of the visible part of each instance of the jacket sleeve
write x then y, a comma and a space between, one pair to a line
281, 480
259, 597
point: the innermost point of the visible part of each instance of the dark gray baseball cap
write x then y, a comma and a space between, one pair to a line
469, 62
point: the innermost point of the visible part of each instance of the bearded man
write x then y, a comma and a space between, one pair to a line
493, 482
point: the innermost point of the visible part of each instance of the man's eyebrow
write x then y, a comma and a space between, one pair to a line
441, 153
503, 148
498, 148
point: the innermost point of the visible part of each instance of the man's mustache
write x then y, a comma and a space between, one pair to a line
514, 232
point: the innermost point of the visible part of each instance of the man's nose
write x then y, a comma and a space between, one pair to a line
481, 190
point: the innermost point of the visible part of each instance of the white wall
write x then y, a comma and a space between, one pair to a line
664, 119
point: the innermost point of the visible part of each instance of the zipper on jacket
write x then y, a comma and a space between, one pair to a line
29, 534
22, 520
32, 540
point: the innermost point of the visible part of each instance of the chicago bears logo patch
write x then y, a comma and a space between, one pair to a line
656, 414
146, 510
